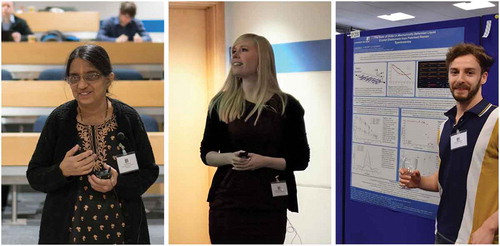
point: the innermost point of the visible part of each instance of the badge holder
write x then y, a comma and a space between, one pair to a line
279, 188
127, 162
458, 140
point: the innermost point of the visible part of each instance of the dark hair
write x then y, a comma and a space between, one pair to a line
484, 60
128, 8
94, 54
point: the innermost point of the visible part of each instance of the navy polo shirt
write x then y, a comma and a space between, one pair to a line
111, 29
454, 166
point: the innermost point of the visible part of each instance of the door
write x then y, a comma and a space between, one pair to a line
194, 67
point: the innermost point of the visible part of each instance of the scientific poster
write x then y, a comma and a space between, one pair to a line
400, 94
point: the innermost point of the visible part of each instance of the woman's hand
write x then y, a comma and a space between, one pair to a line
235, 159
104, 185
253, 162
76, 165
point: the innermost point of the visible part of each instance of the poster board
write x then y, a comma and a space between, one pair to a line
365, 222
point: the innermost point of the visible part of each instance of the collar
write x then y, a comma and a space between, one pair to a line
116, 21
12, 19
479, 109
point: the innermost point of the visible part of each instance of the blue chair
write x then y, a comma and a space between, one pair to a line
150, 123
6, 75
127, 74
52, 74
39, 123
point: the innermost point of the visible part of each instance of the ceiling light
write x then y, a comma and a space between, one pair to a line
396, 16
474, 5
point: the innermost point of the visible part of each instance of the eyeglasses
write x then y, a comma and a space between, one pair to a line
88, 77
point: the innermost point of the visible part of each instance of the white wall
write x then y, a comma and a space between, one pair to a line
286, 22
150, 10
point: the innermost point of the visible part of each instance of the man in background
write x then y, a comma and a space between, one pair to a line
13, 28
124, 28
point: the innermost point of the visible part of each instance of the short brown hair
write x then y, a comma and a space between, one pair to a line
128, 8
485, 61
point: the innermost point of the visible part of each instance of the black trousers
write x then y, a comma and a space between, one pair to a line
247, 227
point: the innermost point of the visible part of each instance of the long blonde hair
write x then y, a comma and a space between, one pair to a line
230, 100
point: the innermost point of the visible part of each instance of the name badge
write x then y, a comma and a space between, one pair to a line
459, 140
127, 163
279, 188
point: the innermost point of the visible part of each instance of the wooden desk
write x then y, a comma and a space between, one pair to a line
17, 148
79, 21
147, 93
56, 53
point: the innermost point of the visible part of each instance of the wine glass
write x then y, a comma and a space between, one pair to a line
410, 165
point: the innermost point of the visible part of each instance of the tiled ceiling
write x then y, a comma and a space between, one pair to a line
363, 15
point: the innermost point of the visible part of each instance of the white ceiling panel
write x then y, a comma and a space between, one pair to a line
363, 15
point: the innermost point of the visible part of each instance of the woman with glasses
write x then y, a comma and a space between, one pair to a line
92, 196
255, 136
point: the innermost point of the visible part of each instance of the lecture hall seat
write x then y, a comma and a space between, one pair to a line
6, 75
52, 74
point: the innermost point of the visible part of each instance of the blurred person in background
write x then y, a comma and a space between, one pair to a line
13, 28
124, 28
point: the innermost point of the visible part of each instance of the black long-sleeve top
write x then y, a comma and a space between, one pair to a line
60, 135
274, 135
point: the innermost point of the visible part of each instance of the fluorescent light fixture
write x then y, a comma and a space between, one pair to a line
396, 16
474, 5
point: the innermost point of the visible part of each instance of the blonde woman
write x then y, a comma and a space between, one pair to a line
255, 136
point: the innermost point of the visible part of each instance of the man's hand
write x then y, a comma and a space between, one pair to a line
16, 36
409, 180
122, 39
137, 38
486, 233
482, 235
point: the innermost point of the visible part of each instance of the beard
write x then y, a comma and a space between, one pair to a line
473, 90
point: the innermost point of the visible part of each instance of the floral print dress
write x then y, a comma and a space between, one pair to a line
98, 216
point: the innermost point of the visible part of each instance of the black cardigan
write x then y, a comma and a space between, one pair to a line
296, 149
58, 136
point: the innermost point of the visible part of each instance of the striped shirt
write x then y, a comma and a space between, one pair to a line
468, 176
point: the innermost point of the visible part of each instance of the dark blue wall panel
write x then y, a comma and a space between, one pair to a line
339, 129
